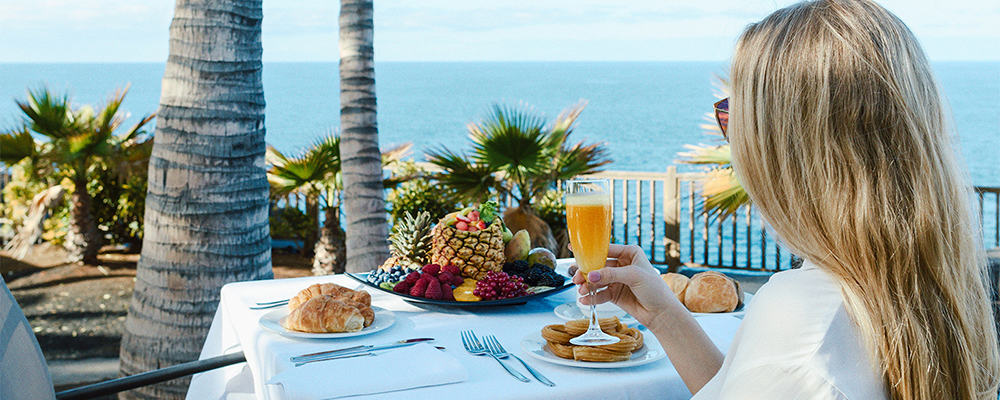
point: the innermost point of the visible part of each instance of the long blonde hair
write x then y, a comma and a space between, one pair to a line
841, 139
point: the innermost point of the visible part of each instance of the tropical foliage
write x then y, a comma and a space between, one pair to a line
516, 153
420, 193
722, 194
82, 147
315, 174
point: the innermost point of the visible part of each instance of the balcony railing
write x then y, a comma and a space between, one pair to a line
662, 213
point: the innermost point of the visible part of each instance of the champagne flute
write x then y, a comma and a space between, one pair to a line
588, 217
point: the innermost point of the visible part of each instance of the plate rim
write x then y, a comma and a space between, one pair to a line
536, 337
385, 313
360, 277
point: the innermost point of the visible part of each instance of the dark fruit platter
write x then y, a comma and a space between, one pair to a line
363, 278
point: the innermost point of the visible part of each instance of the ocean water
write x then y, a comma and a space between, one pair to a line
644, 111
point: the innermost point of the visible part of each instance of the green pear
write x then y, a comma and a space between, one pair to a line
518, 247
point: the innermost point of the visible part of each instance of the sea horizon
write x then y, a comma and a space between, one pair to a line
632, 105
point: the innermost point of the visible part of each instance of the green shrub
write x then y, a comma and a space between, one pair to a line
291, 223
420, 193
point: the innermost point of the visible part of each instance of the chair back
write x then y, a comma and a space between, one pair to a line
23, 371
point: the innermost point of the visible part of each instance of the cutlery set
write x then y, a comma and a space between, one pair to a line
489, 346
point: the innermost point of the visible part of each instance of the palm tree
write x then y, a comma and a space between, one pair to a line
316, 175
516, 154
206, 218
364, 195
77, 140
722, 194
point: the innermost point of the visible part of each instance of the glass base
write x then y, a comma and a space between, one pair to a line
597, 338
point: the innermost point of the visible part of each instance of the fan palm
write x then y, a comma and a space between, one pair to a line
516, 154
76, 141
722, 194
316, 174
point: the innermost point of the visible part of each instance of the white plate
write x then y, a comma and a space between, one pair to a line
272, 322
738, 313
570, 312
535, 346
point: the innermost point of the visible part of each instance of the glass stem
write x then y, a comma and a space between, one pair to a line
595, 325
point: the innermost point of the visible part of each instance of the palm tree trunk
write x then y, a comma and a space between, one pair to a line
206, 205
361, 161
330, 252
84, 238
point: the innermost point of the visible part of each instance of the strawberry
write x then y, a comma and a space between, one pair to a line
462, 226
433, 291
446, 293
481, 224
451, 269
432, 269
402, 287
420, 287
462, 218
474, 215
473, 229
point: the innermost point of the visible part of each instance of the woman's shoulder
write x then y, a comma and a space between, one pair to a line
792, 313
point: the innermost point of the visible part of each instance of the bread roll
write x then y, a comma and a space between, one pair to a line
329, 289
325, 314
677, 282
711, 292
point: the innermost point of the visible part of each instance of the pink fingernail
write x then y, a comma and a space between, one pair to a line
594, 276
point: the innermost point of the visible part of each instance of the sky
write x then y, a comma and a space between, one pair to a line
468, 30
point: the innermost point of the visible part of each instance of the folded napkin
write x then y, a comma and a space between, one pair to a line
390, 370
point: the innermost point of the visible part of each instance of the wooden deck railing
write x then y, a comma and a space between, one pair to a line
662, 212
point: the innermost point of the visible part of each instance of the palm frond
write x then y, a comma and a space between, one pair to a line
509, 139
396, 154
707, 154
470, 180
16, 145
49, 115
722, 193
108, 119
311, 172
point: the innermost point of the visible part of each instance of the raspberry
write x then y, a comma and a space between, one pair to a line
426, 278
446, 293
420, 288
412, 277
434, 291
451, 269
402, 287
445, 278
432, 269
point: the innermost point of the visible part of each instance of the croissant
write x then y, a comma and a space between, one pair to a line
324, 314
329, 289
365, 311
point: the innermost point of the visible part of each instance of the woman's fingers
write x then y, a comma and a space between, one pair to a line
603, 296
628, 275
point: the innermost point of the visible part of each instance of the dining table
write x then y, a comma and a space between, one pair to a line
237, 328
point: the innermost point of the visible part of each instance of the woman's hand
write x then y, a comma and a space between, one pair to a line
632, 283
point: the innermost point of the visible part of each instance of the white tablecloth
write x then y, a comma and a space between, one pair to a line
236, 328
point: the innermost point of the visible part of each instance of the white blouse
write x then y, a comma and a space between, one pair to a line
796, 342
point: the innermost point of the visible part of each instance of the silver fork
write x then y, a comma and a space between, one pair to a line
473, 346
498, 351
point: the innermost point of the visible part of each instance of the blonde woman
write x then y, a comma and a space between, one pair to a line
840, 137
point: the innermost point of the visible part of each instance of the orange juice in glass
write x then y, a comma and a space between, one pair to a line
588, 217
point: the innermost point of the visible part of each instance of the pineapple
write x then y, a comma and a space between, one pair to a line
474, 249
410, 242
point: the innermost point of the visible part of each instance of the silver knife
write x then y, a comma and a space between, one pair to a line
360, 349
335, 357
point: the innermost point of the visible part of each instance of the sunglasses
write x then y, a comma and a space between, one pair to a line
722, 115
